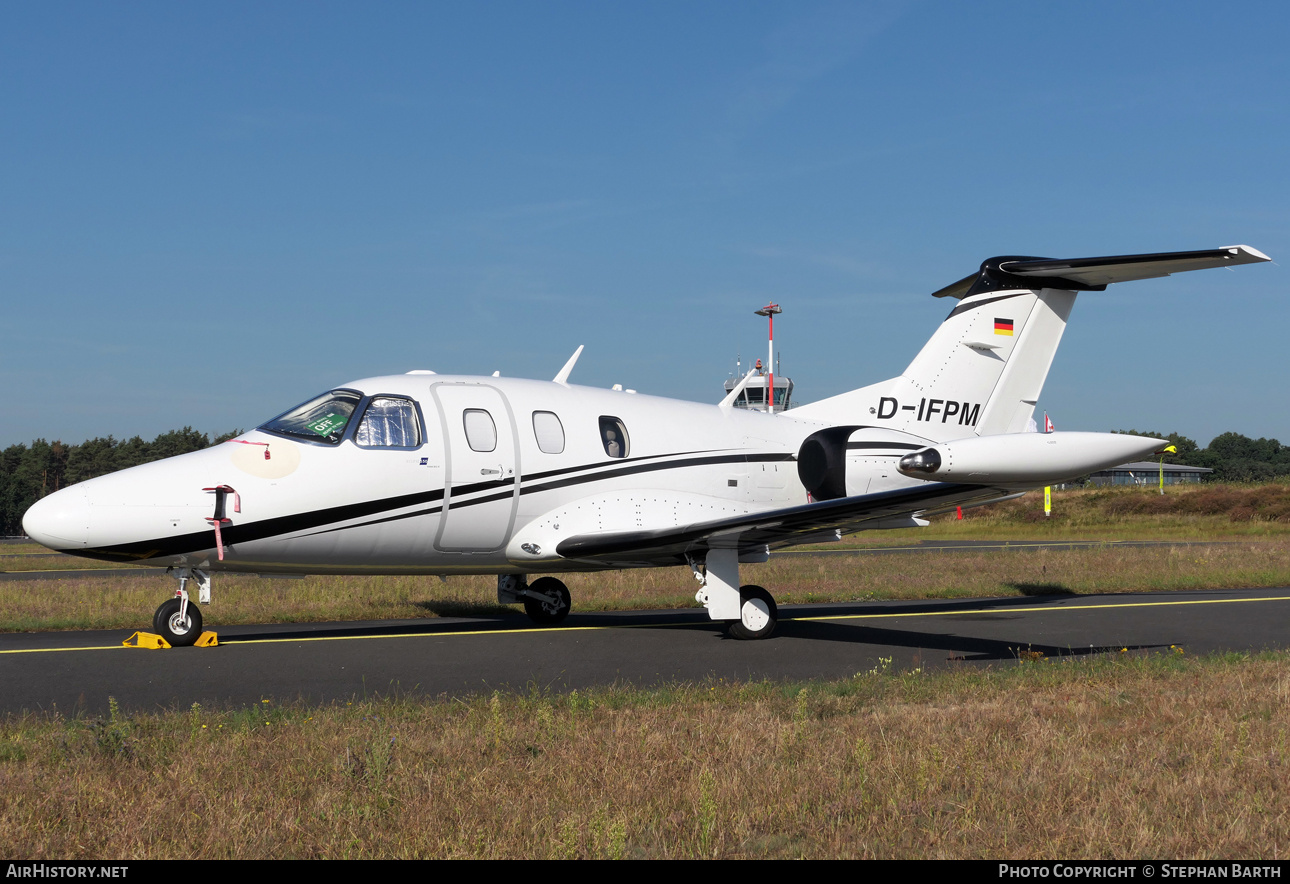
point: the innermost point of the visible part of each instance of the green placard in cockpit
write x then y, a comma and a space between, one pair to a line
327, 424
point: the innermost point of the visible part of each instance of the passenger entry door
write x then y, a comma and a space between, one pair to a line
481, 487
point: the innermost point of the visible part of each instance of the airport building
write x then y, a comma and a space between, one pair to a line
754, 395
1148, 473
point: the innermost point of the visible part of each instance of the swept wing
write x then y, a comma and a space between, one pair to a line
772, 528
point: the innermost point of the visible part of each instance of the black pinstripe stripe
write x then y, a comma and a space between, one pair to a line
297, 522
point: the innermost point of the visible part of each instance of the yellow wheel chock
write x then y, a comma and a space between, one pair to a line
152, 641
146, 640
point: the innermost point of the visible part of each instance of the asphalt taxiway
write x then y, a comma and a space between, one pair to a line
324, 662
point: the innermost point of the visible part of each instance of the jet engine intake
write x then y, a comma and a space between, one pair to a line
822, 463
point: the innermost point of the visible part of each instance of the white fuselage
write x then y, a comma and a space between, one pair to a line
453, 503
442, 507
545, 469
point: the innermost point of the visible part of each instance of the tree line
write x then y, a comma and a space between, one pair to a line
1232, 457
29, 472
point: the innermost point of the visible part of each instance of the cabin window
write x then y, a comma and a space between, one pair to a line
322, 419
549, 432
389, 423
481, 432
613, 435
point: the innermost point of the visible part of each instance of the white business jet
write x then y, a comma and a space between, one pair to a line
425, 473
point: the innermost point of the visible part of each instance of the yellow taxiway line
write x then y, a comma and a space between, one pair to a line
1045, 609
1003, 544
139, 569
530, 629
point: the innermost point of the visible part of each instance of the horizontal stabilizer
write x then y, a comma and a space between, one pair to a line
1082, 274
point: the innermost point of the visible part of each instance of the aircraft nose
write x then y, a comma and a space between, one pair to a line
60, 521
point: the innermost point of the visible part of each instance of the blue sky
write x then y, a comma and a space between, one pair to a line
210, 212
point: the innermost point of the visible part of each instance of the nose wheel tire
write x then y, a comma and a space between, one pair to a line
178, 633
757, 614
551, 609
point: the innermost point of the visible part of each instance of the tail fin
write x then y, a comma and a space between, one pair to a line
984, 368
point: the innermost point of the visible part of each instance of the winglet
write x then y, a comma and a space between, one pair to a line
1254, 253
729, 401
563, 376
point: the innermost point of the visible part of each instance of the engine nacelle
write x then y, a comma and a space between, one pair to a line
822, 463
1025, 458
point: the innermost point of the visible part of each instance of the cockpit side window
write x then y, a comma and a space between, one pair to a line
389, 422
613, 435
322, 419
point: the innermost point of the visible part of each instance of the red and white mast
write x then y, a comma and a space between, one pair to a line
769, 312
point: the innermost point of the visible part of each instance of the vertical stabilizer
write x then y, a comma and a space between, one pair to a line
983, 370
979, 374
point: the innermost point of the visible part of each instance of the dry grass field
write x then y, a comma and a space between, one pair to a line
34, 557
1160, 757
1119, 512
119, 602
1157, 756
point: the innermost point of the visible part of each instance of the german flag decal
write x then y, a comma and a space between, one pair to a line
1003, 326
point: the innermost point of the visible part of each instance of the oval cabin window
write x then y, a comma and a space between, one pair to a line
549, 432
481, 432
613, 435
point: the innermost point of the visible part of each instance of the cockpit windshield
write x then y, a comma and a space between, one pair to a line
319, 420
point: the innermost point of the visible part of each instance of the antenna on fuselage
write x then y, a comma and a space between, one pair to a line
563, 376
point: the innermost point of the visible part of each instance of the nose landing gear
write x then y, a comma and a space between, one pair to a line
178, 622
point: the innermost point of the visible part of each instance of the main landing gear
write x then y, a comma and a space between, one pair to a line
757, 613
749, 610
546, 600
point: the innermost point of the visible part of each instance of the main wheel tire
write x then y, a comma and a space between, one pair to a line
757, 613
548, 612
179, 633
